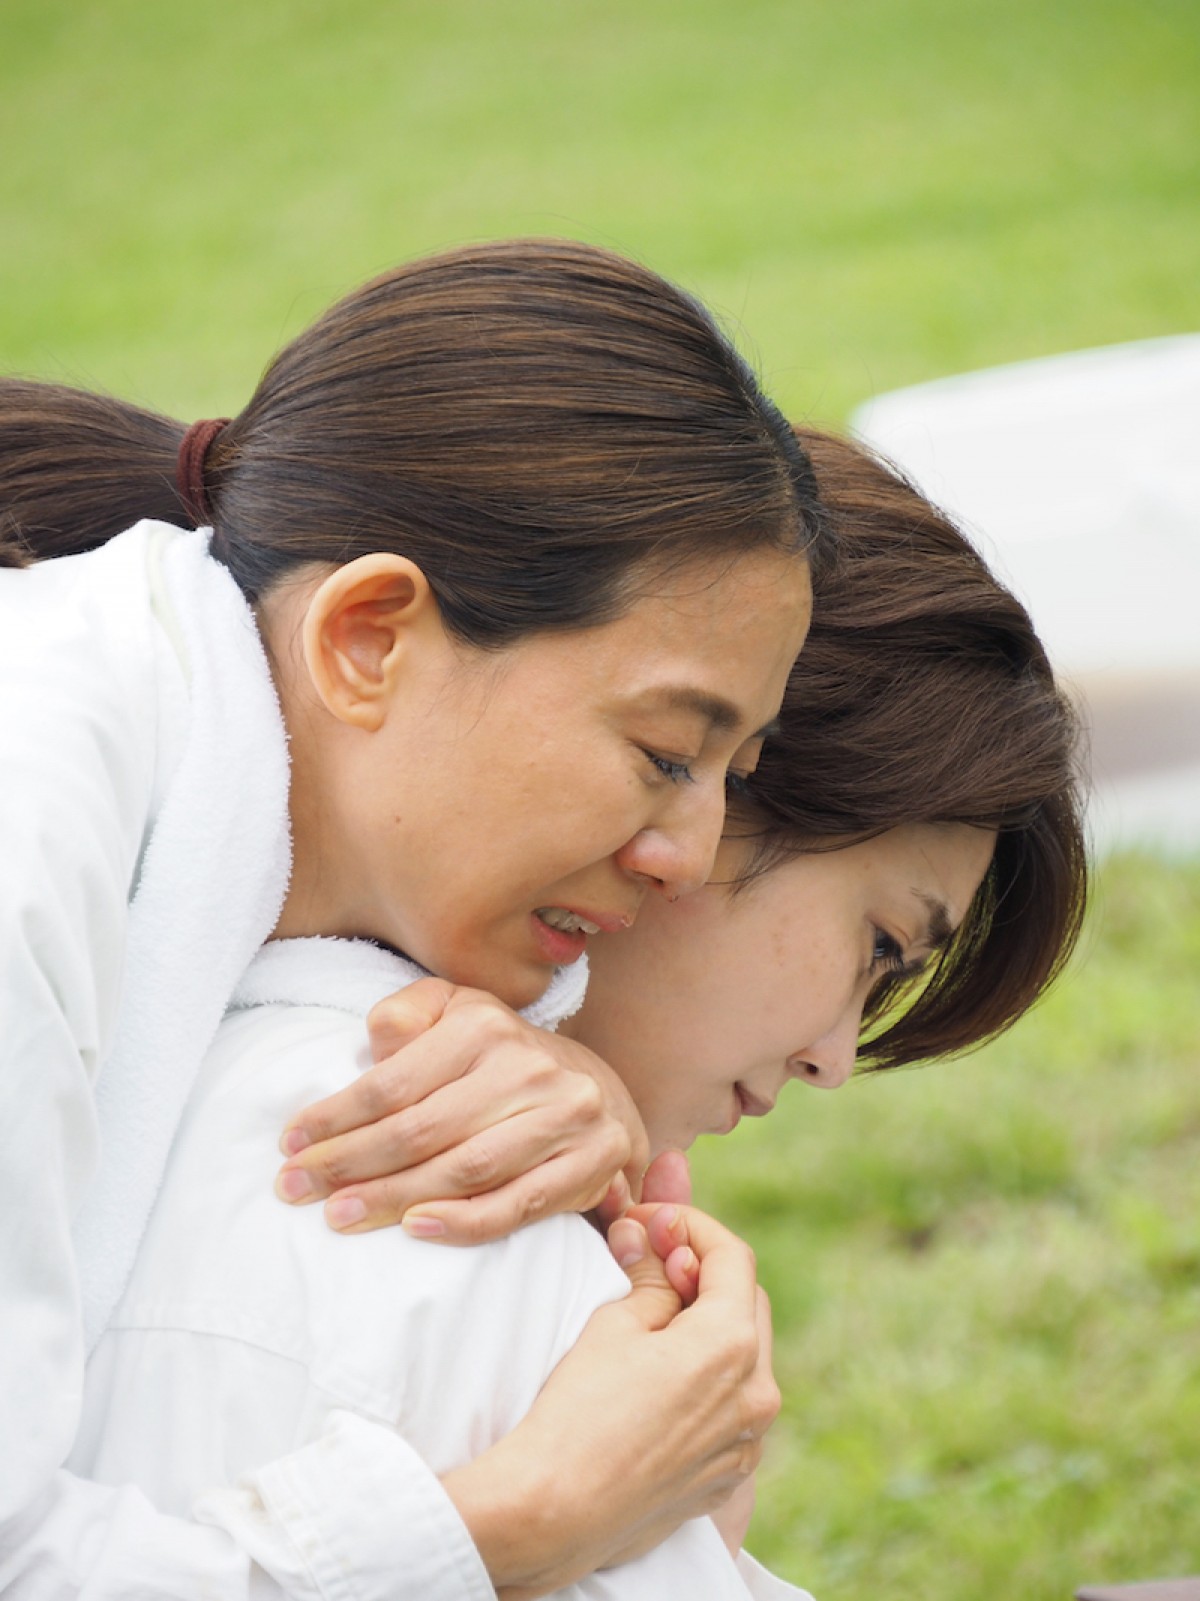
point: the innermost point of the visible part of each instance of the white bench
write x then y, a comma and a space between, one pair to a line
1079, 478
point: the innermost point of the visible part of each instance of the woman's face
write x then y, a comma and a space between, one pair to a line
711, 1005
515, 801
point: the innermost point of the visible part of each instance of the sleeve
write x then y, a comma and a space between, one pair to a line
353, 1516
77, 770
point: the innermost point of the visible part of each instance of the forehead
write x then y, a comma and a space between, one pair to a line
706, 640
929, 872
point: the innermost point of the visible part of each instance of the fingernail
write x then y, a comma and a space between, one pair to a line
688, 1260
632, 1252
294, 1141
675, 1221
293, 1184
425, 1228
344, 1210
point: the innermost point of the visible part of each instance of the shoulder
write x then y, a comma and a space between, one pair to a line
435, 1340
78, 679
100, 597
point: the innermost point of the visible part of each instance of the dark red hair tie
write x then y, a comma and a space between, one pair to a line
189, 469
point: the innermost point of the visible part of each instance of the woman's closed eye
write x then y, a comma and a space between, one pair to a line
677, 772
887, 957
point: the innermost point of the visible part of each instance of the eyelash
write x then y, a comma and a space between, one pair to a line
674, 772
887, 953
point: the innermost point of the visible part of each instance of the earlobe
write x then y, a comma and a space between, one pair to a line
359, 631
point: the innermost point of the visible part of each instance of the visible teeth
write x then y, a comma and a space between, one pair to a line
569, 922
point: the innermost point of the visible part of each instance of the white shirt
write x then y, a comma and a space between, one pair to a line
250, 1334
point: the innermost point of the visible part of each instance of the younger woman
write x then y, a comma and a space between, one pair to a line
923, 745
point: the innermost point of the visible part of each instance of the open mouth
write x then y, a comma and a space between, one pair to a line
566, 922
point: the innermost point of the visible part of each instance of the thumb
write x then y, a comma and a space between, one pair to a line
398, 1019
652, 1299
668, 1179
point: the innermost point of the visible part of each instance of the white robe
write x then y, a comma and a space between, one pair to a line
248, 1330
101, 696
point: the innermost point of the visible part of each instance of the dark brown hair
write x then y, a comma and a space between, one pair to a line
923, 695
531, 422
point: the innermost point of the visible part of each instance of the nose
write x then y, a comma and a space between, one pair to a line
676, 855
829, 1061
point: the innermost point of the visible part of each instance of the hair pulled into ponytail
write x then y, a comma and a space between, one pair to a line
531, 422
77, 468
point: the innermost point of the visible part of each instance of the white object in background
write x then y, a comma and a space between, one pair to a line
1078, 477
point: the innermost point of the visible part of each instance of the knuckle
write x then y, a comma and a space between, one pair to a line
381, 1091
541, 1071
393, 1012
763, 1402
414, 1134
619, 1147
474, 1166
386, 1200
489, 1017
587, 1099
331, 1166
739, 1352
472, 1227
535, 1204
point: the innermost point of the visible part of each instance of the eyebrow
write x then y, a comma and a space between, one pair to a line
939, 929
717, 712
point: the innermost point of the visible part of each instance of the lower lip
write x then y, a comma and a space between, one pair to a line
747, 1105
561, 948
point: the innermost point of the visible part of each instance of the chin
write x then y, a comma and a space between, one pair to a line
517, 984
671, 1140
515, 991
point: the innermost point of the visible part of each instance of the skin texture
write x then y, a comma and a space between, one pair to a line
711, 1005
441, 795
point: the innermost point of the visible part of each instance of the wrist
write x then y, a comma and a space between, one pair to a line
514, 1511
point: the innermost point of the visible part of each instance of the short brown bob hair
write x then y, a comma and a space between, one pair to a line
924, 695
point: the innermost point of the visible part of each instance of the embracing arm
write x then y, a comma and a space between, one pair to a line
471, 1124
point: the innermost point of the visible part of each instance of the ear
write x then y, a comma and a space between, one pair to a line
360, 630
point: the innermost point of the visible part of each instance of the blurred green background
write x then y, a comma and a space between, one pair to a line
986, 1275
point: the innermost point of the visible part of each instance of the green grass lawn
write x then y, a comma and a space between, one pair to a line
986, 1283
986, 1275
875, 191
